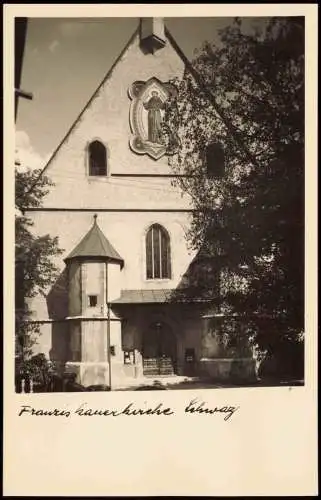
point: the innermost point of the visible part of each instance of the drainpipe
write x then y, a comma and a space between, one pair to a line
108, 344
108, 326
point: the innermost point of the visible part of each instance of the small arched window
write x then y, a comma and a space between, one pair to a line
97, 159
215, 160
158, 258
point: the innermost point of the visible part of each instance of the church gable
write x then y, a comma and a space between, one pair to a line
118, 131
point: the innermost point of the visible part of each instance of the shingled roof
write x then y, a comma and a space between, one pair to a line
95, 244
158, 296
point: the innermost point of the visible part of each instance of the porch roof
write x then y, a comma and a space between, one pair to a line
155, 296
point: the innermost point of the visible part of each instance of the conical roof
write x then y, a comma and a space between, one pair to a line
95, 245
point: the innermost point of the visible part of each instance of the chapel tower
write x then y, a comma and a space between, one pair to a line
93, 268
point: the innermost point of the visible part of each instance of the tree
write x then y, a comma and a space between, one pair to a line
246, 96
34, 269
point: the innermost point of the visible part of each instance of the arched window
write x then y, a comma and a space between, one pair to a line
215, 160
158, 258
97, 158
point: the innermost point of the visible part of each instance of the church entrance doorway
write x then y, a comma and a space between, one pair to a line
159, 350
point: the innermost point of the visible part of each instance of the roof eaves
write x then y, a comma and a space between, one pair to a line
111, 254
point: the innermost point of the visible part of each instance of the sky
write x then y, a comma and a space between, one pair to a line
65, 60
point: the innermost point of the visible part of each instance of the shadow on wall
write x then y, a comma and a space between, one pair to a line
57, 298
200, 281
57, 305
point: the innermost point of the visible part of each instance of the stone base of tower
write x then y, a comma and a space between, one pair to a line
97, 374
89, 374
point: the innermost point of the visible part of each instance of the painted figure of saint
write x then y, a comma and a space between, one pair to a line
154, 106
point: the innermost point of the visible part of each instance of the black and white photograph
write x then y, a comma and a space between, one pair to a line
160, 228
159, 196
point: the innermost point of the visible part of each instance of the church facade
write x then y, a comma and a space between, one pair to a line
115, 315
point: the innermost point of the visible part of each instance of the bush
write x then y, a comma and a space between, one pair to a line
42, 372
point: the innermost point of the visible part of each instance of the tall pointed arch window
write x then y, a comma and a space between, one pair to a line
158, 257
97, 159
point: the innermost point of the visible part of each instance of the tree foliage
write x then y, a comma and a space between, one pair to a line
35, 270
247, 94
